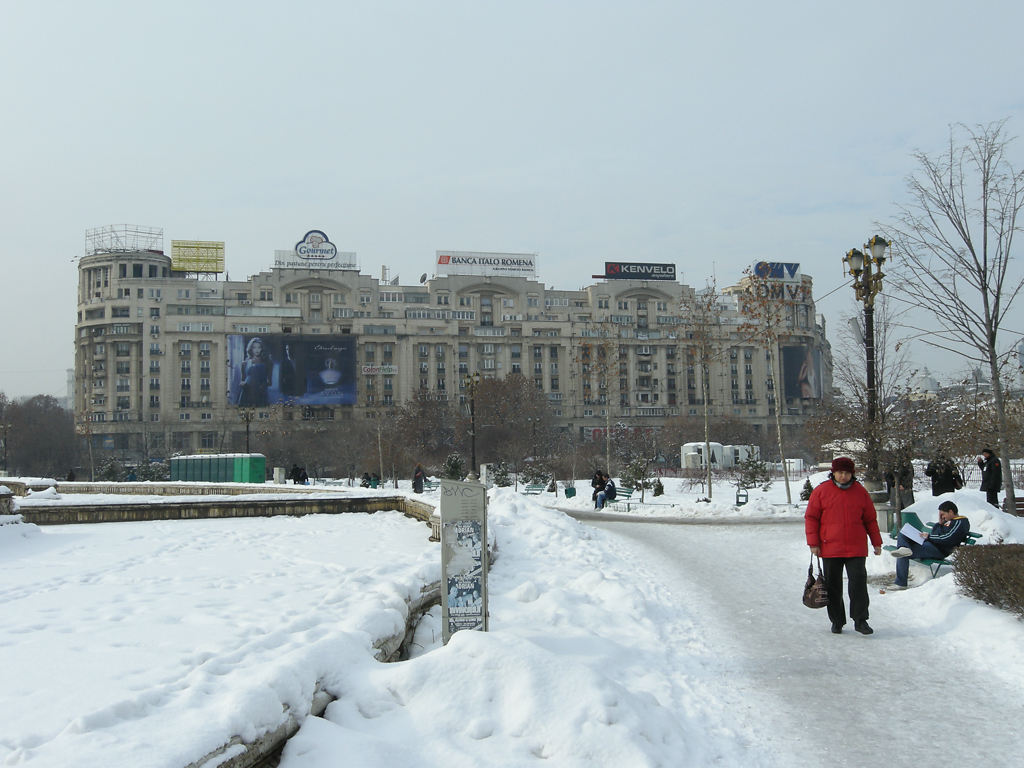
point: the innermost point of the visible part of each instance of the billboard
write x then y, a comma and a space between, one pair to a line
472, 263
265, 369
777, 270
197, 256
629, 270
314, 251
801, 372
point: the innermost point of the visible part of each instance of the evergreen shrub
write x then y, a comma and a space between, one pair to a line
992, 573
805, 492
454, 467
501, 474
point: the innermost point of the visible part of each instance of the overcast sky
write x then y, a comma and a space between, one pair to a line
709, 135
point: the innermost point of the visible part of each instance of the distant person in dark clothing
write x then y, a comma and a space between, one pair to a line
991, 476
295, 474
418, 476
71, 476
945, 475
946, 535
365, 482
607, 493
597, 483
901, 477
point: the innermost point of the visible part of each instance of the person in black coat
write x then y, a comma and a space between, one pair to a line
597, 483
945, 475
607, 492
991, 476
418, 476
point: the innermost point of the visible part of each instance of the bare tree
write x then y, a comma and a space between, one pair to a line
767, 311
705, 345
514, 421
426, 427
597, 356
38, 436
893, 375
955, 239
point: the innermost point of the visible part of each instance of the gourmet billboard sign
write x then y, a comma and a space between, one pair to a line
314, 251
629, 270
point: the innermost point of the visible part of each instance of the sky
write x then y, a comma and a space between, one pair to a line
610, 644
708, 135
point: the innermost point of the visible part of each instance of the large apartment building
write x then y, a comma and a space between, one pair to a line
171, 358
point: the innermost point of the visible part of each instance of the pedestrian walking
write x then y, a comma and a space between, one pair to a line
839, 520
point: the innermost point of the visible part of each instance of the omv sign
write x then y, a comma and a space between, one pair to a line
316, 246
777, 270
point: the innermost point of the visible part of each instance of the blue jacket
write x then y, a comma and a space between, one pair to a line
948, 536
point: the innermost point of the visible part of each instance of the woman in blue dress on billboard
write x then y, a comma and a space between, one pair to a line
255, 374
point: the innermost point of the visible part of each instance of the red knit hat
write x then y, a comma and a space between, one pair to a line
843, 464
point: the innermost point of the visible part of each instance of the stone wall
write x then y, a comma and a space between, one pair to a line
204, 509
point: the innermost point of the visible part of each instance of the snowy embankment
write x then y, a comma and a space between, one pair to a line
152, 644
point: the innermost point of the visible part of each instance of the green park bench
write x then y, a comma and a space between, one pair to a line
431, 485
934, 564
534, 488
622, 496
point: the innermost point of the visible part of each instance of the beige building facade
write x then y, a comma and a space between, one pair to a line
166, 363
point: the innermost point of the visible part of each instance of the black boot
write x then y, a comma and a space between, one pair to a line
837, 629
863, 627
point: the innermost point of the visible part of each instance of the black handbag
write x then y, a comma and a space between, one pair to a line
815, 594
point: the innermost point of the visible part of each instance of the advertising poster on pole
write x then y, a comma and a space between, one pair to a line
463, 557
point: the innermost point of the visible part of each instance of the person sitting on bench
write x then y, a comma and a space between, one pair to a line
607, 493
946, 535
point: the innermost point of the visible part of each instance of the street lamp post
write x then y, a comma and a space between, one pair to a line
866, 269
247, 415
471, 382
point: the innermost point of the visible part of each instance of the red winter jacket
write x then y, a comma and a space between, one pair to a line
840, 520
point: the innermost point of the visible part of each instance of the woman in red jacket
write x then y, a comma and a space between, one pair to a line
840, 518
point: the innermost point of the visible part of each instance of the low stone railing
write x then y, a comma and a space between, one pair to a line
202, 509
237, 753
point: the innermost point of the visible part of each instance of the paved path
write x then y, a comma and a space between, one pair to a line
818, 698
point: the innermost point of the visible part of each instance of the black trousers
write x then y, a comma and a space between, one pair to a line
857, 576
993, 498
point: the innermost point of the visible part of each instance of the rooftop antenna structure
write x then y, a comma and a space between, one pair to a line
124, 238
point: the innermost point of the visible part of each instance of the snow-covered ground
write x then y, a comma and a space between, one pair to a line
150, 644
